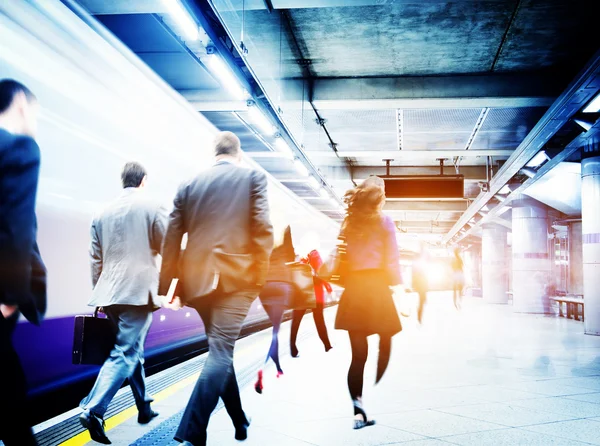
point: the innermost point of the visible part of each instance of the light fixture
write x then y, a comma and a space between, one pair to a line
584, 123
260, 120
528, 171
183, 18
485, 208
503, 210
538, 159
499, 197
314, 183
482, 213
301, 168
594, 106
226, 77
282, 146
505, 190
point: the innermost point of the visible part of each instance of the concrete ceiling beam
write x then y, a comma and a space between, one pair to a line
503, 90
426, 206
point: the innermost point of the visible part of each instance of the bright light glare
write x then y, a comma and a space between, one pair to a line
594, 106
505, 190
226, 77
323, 192
260, 120
435, 274
301, 168
314, 183
282, 146
183, 18
538, 160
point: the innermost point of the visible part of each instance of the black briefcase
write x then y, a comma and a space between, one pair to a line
93, 339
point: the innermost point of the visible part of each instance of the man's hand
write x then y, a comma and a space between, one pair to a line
173, 304
8, 310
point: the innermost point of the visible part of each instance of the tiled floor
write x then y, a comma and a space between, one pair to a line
481, 376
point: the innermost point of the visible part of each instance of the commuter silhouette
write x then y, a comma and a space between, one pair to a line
126, 240
458, 277
225, 212
314, 260
22, 271
419, 280
372, 266
276, 295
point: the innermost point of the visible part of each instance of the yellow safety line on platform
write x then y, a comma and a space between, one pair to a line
121, 417
115, 420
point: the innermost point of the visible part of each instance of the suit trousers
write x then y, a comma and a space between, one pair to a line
223, 316
126, 360
14, 416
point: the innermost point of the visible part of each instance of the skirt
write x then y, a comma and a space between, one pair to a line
277, 293
367, 304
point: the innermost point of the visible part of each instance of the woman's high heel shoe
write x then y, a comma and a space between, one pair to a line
279, 373
258, 386
358, 410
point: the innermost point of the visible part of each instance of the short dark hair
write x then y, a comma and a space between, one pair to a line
133, 174
226, 143
9, 89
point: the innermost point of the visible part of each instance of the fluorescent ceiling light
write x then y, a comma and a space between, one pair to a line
505, 190
301, 168
282, 146
594, 106
500, 198
528, 171
585, 124
183, 18
538, 159
314, 183
485, 207
260, 120
226, 77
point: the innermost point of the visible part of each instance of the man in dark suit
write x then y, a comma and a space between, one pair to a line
22, 271
225, 213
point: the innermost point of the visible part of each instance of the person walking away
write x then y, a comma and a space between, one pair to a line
277, 294
315, 261
126, 239
372, 266
22, 271
419, 281
458, 278
225, 212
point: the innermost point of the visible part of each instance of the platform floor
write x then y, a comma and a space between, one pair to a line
481, 376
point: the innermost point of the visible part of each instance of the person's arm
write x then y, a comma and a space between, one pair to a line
392, 256
261, 230
159, 229
95, 254
20, 173
172, 243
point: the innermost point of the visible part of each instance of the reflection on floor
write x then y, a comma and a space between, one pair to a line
481, 376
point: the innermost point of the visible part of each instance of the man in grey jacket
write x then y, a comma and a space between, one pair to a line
126, 240
225, 212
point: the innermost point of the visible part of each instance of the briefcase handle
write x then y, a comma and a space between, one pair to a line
96, 311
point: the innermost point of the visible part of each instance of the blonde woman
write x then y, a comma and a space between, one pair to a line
277, 294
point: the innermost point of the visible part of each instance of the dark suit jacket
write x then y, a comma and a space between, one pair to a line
22, 271
224, 208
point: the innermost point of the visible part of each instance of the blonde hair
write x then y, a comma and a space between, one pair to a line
227, 143
365, 203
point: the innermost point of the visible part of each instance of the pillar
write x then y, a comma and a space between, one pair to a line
494, 272
575, 258
590, 228
530, 259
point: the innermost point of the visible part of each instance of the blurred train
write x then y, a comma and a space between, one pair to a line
102, 107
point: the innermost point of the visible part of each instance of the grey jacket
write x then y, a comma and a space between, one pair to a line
126, 240
226, 209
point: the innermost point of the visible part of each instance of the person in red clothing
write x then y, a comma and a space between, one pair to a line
314, 260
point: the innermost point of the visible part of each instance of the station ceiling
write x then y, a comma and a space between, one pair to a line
355, 82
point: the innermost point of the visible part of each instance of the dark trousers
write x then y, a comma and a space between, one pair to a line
319, 322
126, 360
223, 316
14, 416
360, 351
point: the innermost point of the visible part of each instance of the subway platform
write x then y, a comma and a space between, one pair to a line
480, 376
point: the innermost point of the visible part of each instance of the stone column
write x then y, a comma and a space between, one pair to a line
531, 262
590, 228
575, 258
494, 271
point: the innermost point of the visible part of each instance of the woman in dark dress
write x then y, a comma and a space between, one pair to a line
372, 267
276, 295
